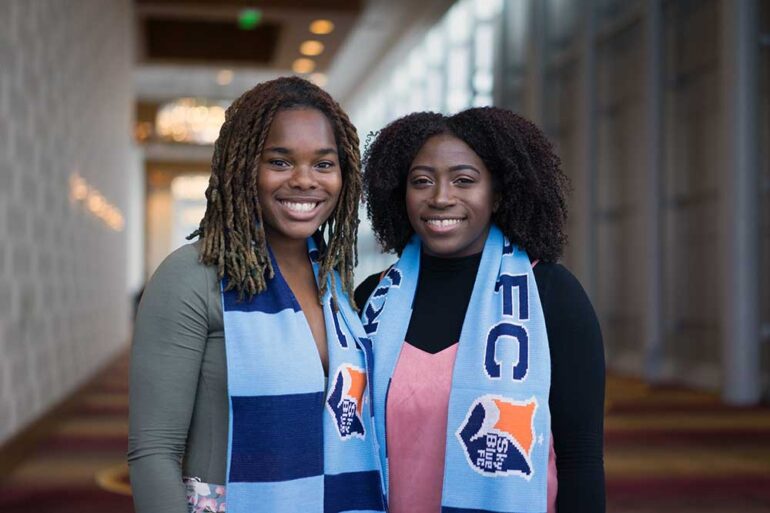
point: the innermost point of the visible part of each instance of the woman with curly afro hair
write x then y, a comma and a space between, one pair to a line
239, 335
488, 357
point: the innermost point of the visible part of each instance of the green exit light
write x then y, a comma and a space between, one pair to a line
248, 19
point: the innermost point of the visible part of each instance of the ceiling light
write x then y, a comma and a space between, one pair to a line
303, 65
311, 48
321, 27
224, 77
318, 79
248, 19
190, 120
82, 193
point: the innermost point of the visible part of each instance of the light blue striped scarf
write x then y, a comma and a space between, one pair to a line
293, 446
498, 429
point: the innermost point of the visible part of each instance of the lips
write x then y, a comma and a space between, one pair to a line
443, 224
300, 206
300, 209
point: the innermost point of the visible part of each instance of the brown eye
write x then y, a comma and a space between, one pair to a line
420, 181
326, 164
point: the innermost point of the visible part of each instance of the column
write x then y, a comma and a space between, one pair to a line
653, 310
739, 239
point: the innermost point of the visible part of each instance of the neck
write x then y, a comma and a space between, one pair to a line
290, 254
432, 256
444, 264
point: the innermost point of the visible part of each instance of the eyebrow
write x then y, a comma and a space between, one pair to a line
459, 167
287, 151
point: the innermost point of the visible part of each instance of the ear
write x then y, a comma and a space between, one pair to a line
496, 203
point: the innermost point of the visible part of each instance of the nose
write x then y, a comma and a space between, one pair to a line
442, 196
303, 178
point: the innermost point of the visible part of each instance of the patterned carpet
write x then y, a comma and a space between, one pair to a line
672, 449
667, 450
79, 467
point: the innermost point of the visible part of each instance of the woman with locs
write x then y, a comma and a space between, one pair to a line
238, 334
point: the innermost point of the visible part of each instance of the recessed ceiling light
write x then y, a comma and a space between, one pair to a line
224, 77
318, 79
303, 65
321, 27
311, 47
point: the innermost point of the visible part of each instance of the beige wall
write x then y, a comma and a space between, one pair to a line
65, 107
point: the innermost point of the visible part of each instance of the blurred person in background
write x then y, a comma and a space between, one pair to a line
488, 359
238, 334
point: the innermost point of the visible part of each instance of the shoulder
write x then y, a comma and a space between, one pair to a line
186, 257
175, 301
365, 289
566, 306
556, 282
182, 273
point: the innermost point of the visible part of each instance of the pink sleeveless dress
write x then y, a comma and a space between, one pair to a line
416, 416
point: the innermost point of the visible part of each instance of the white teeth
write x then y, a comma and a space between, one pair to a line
299, 207
444, 222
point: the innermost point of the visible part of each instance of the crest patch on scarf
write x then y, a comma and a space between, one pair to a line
346, 401
497, 436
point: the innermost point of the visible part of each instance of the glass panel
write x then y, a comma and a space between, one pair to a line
561, 126
764, 159
458, 78
516, 19
692, 124
485, 46
620, 189
459, 22
434, 46
561, 22
434, 91
560, 116
486, 10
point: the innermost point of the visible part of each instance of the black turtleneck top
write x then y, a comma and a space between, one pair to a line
576, 400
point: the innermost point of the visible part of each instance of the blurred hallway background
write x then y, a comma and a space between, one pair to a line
659, 109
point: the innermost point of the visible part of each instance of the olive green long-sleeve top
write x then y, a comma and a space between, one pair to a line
178, 414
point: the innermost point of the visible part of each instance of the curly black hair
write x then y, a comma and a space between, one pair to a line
531, 187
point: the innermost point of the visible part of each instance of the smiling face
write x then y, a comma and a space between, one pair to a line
299, 177
449, 197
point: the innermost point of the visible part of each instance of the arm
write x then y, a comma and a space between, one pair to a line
577, 390
169, 338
